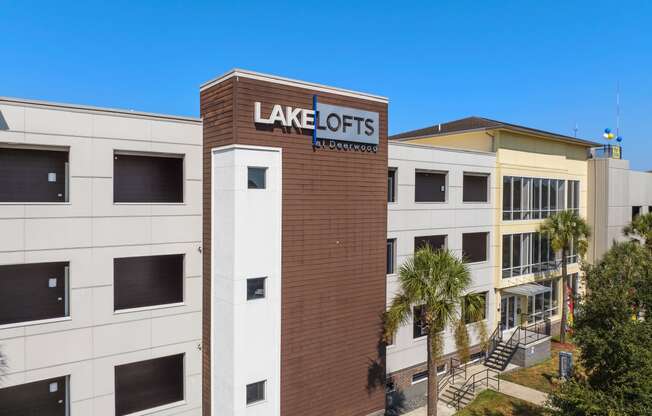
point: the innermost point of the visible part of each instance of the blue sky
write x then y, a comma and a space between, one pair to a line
540, 64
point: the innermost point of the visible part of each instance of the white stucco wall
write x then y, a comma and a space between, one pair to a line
408, 219
89, 232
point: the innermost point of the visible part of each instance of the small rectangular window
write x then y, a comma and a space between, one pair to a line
147, 384
391, 185
475, 187
32, 292
147, 281
636, 211
256, 178
474, 247
430, 186
391, 256
147, 178
30, 175
420, 376
419, 327
45, 397
256, 392
436, 242
256, 288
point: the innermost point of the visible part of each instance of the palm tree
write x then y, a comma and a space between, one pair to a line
641, 227
437, 281
564, 229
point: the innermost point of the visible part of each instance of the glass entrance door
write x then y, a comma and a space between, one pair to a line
507, 313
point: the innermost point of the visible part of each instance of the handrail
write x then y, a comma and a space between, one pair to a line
534, 332
494, 340
454, 370
460, 392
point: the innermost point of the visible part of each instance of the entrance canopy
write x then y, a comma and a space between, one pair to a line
528, 289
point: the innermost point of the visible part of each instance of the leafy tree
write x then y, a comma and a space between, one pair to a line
614, 339
565, 229
437, 280
641, 228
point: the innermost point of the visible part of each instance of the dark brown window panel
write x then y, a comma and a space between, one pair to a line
155, 179
40, 398
475, 188
474, 247
31, 292
147, 384
437, 242
147, 281
430, 187
28, 175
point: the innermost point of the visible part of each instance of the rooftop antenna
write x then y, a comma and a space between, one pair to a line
618, 109
575, 130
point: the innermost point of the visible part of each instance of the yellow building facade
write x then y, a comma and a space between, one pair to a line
538, 173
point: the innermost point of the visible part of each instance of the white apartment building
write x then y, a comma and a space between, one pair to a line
100, 261
443, 197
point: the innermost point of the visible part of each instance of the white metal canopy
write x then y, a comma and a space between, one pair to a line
528, 289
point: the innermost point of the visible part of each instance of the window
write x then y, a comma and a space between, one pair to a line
474, 247
468, 319
420, 376
255, 392
572, 253
32, 292
430, 187
636, 211
419, 327
30, 175
46, 397
536, 198
544, 305
475, 187
256, 288
436, 242
391, 185
147, 281
256, 178
147, 384
527, 253
476, 357
573, 196
147, 179
391, 256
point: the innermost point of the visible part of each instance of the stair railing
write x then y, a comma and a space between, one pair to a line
455, 370
495, 339
534, 332
470, 384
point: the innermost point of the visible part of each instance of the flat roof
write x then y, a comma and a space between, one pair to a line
92, 109
236, 72
475, 123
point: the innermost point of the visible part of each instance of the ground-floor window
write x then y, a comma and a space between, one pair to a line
42, 398
544, 305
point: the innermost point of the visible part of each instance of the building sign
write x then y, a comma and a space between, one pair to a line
333, 126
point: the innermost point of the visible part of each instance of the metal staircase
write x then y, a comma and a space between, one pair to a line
500, 351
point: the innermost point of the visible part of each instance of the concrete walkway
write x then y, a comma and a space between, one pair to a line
524, 393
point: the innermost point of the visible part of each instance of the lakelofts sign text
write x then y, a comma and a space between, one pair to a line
330, 122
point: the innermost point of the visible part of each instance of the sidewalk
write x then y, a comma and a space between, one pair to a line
524, 393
